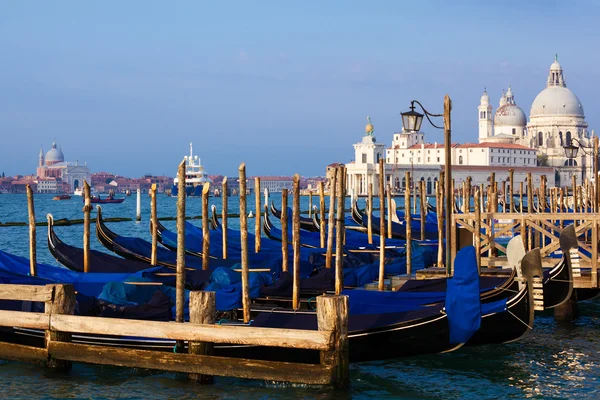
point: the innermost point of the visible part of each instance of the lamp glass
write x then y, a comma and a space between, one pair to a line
571, 151
412, 120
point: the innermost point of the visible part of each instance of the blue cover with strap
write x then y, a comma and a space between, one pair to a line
463, 305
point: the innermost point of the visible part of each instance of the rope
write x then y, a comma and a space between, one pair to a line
519, 319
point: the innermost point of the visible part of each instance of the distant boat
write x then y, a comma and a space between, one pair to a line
195, 176
62, 197
79, 192
107, 200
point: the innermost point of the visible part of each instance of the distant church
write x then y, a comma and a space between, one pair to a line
555, 120
54, 174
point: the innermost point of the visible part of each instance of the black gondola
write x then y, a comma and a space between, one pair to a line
306, 223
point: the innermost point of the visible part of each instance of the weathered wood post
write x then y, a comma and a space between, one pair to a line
32, 233
574, 198
296, 242
244, 243
202, 311
138, 207
87, 209
224, 215
439, 194
468, 197
370, 213
543, 192
389, 209
180, 282
478, 228
153, 224
257, 235
322, 226
381, 225
330, 223
511, 183
529, 193
408, 225
309, 203
63, 302
339, 233
423, 198
332, 315
521, 198
284, 231
205, 228
504, 201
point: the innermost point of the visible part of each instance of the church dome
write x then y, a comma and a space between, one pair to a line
510, 115
54, 155
556, 100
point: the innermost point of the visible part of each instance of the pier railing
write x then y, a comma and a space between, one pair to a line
538, 230
59, 323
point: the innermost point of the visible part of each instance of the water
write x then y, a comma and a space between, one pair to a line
555, 361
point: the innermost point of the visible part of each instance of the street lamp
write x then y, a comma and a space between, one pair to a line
571, 153
412, 121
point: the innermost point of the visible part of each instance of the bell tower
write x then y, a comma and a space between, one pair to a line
485, 117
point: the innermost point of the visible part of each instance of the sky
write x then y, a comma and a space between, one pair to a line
283, 86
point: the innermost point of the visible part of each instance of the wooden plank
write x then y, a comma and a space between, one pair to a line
23, 319
290, 338
195, 364
19, 352
26, 293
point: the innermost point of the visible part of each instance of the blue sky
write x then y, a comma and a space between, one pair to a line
283, 86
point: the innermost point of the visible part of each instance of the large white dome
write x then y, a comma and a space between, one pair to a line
54, 155
510, 115
556, 100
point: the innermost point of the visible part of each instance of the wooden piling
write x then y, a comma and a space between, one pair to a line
322, 214
543, 192
63, 302
138, 207
439, 193
32, 233
521, 198
339, 230
332, 315
284, 231
330, 222
296, 242
504, 207
478, 228
422, 207
224, 215
408, 225
381, 225
529, 193
180, 282
257, 235
370, 213
389, 208
153, 224
310, 194
468, 196
87, 209
244, 243
415, 190
202, 311
205, 228
511, 183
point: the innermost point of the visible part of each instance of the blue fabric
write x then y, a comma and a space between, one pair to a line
463, 304
375, 302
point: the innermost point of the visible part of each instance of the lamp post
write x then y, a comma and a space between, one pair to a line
571, 152
412, 120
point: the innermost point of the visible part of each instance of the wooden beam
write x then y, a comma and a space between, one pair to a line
26, 292
24, 319
19, 352
290, 338
194, 364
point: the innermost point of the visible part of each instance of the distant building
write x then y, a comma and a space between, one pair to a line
56, 174
274, 184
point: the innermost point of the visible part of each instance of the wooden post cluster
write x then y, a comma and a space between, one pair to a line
32, 233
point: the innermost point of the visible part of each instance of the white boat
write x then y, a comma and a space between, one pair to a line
79, 191
195, 176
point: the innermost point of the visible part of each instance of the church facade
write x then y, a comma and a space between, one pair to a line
55, 175
556, 119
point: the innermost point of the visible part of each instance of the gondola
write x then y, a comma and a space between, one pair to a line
306, 223
379, 328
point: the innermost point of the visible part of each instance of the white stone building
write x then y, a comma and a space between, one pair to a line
53, 166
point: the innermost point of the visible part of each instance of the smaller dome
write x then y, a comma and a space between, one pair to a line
510, 115
555, 66
485, 99
54, 155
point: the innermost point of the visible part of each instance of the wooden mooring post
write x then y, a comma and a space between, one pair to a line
205, 228
244, 242
153, 224
202, 311
322, 236
370, 213
284, 231
423, 207
138, 206
332, 315
478, 228
87, 209
407, 218
257, 216
339, 233
180, 281
388, 193
381, 283
62, 302
32, 233
224, 216
330, 223
296, 242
